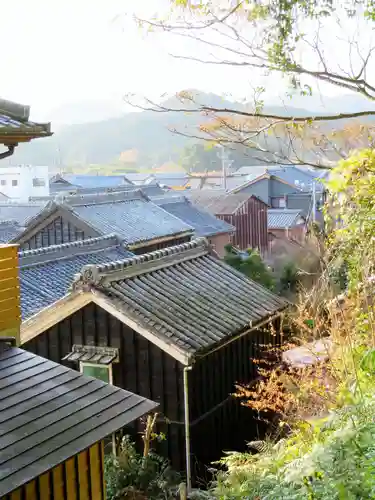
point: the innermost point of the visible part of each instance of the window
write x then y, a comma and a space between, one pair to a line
14, 182
101, 372
104, 373
38, 182
282, 203
3, 182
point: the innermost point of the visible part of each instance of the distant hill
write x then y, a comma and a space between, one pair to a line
147, 133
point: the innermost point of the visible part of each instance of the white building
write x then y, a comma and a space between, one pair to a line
21, 182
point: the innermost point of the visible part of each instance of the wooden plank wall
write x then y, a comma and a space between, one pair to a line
218, 421
57, 232
10, 308
79, 478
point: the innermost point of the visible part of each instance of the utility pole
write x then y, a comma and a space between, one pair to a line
313, 201
224, 167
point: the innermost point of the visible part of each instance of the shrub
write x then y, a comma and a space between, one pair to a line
132, 475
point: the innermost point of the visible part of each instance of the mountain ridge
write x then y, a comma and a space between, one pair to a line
147, 132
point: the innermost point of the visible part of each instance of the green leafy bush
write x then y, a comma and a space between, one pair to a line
334, 459
251, 264
131, 475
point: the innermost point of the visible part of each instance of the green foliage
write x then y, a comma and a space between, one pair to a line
132, 474
332, 456
200, 158
352, 213
251, 265
288, 281
335, 459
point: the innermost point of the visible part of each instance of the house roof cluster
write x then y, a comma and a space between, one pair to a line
147, 190
49, 413
47, 273
182, 295
69, 181
204, 223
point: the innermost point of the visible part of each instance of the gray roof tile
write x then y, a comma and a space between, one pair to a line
9, 230
217, 201
183, 294
50, 413
93, 181
282, 218
47, 273
134, 219
204, 223
21, 213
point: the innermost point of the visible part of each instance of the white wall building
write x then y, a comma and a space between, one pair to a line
21, 182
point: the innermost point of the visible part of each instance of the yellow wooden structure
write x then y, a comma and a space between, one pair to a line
79, 478
10, 310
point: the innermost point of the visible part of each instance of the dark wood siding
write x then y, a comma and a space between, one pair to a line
250, 221
216, 416
143, 369
218, 421
58, 231
80, 477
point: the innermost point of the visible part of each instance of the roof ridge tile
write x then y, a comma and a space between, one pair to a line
66, 250
61, 246
140, 264
100, 198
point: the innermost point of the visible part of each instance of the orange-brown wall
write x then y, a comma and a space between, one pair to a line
295, 233
79, 478
218, 243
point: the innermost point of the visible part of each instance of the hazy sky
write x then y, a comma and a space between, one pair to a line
61, 51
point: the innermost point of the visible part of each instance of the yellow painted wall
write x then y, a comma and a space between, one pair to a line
10, 308
79, 478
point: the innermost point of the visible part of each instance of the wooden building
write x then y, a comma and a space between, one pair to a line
140, 224
183, 327
247, 213
53, 419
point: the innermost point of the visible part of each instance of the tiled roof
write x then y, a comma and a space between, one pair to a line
9, 230
130, 215
14, 122
204, 223
138, 178
280, 218
183, 295
50, 413
21, 213
47, 273
95, 181
217, 201
67, 190
300, 176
